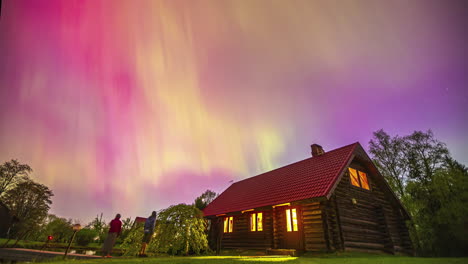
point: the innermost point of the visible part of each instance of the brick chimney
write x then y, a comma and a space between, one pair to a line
317, 150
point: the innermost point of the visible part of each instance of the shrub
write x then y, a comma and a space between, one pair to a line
85, 236
180, 230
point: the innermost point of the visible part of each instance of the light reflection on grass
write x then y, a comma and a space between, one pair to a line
250, 258
267, 259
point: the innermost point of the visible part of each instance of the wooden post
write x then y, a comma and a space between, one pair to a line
69, 244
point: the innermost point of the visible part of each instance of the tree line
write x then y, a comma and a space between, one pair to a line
432, 186
180, 229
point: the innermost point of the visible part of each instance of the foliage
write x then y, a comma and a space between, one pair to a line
100, 226
85, 236
12, 173
29, 202
432, 186
127, 225
59, 228
180, 230
132, 242
203, 200
390, 158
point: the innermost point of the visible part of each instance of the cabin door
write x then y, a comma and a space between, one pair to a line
292, 228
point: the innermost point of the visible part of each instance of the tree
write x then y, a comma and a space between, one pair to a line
59, 228
203, 200
29, 202
432, 186
100, 226
390, 158
424, 155
180, 229
12, 173
132, 242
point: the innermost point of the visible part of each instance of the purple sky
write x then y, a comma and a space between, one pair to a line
131, 106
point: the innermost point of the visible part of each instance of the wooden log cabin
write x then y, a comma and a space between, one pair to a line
332, 201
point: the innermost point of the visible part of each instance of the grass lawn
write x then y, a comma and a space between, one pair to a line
37, 245
325, 259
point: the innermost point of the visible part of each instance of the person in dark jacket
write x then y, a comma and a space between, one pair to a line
115, 228
148, 233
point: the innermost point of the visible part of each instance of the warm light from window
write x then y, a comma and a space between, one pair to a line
225, 224
260, 222
363, 179
288, 220
354, 177
256, 222
358, 178
231, 223
253, 226
294, 219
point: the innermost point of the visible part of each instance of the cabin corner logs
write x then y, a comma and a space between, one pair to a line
352, 219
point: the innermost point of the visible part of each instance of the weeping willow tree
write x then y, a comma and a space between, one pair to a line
180, 230
132, 242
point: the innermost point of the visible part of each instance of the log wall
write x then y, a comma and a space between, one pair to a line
313, 226
242, 237
374, 223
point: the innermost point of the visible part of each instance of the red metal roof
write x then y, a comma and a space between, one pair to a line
139, 219
309, 178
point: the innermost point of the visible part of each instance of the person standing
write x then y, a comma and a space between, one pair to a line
148, 233
115, 228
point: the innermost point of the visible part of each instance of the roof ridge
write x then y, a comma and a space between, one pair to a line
251, 177
314, 182
343, 166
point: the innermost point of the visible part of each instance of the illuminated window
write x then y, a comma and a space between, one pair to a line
256, 222
358, 178
253, 223
260, 222
294, 218
291, 220
353, 175
231, 223
363, 179
228, 224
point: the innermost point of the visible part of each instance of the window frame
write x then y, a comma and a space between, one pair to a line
292, 225
358, 171
253, 221
228, 224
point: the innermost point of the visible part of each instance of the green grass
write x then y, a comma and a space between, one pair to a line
21, 243
323, 259
36, 244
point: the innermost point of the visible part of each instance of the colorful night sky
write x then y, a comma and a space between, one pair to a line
131, 106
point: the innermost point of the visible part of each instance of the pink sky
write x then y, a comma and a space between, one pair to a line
131, 106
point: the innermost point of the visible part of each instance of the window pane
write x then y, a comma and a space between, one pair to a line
252, 222
231, 223
294, 218
288, 220
225, 224
364, 182
260, 222
354, 177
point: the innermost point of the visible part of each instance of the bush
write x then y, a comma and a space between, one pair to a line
180, 230
85, 236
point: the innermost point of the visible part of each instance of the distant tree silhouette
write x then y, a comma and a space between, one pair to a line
203, 200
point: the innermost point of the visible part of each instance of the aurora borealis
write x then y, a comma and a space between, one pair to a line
130, 106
